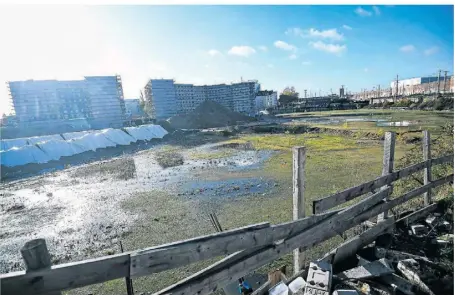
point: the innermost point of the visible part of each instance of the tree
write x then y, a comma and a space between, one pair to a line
290, 91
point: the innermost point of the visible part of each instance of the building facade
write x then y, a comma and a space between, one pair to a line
265, 100
98, 100
168, 98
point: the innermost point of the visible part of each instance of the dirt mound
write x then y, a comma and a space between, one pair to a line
209, 114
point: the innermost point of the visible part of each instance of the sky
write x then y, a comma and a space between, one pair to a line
308, 47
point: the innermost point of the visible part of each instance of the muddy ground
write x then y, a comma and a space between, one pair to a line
84, 211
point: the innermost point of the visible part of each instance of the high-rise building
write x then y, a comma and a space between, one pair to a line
171, 98
266, 99
161, 95
99, 100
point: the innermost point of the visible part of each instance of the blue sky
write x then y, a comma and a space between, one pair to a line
309, 47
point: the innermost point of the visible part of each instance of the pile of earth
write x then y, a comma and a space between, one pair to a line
208, 114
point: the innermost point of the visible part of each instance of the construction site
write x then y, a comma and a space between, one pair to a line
216, 201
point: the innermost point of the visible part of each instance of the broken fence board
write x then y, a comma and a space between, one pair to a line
339, 198
413, 217
66, 276
373, 269
400, 283
351, 246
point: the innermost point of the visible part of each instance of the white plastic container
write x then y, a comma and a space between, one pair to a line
279, 289
297, 285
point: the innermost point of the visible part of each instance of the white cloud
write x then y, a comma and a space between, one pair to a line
328, 47
346, 27
431, 50
315, 33
325, 34
263, 48
285, 46
376, 10
407, 48
306, 63
293, 56
362, 12
214, 52
242, 50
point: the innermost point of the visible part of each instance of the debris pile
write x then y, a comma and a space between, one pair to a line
208, 114
416, 259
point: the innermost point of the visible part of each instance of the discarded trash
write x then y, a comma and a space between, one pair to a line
419, 230
319, 279
297, 285
279, 289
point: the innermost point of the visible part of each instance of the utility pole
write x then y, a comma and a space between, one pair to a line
396, 90
379, 91
445, 81
305, 93
439, 80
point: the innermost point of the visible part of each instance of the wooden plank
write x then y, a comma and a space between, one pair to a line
181, 253
66, 276
413, 217
351, 246
339, 198
177, 254
36, 257
387, 164
406, 269
400, 283
298, 196
370, 270
427, 171
210, 278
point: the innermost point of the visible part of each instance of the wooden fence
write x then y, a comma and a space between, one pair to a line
247, 248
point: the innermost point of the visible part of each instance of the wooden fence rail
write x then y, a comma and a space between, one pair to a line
248, 248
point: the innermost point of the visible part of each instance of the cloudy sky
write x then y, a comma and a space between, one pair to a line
309, 47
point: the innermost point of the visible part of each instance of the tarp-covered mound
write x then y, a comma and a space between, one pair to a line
10, 143
23, 155
53, 147
208, 114
118, 136
56, 149
36, 139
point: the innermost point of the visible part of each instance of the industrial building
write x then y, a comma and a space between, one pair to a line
97, 100
418, 81
168, 98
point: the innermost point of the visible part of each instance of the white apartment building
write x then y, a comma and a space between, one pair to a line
161, 94
99, 100
168, 98
266, 99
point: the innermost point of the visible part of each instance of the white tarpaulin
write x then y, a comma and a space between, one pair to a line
118, 136
92, 142
138, 133
23, 155
157, 130
36, 139
72, 135
56, 149
10, 143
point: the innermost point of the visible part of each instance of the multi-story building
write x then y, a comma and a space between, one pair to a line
243, 97
161, 95
133, 109
168, 98
266, 99
99, 100
220, 93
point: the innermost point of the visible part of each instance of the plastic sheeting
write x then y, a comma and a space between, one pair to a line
53, 147
118, 136
72, 135
23, 155
36, 139
10, 143
56, 149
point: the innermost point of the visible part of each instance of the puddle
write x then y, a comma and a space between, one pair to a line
227, 188
396, 124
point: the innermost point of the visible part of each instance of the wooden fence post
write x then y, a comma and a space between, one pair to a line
298, 184
387, 163
36, 257
427, 171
